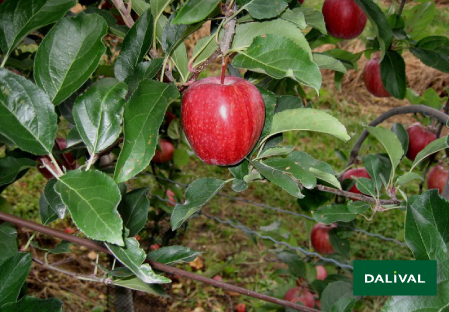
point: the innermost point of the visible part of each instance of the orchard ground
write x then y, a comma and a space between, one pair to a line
228, 252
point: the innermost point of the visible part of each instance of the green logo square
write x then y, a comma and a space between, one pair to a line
395, 278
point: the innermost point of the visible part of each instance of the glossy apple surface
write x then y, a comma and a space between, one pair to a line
418, 138
65, 160
165, 154
372, 79
359, 173
321, 273
436, 179
222, 121
320, 238
344, 18
302, 295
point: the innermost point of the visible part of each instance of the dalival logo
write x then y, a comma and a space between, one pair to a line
396, 278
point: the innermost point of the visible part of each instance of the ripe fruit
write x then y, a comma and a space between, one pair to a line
217, 278
171, 197
418, 137
321, 273
359, 173
372, 79
320, 238
166, 152
70, 230
67, 160
222, 121
344, 18
301, 1
302, 295
436, 179
241, 307
155, 247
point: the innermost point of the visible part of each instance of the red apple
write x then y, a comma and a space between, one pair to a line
302, 295
320, 238
436, 179
217, 278
222, 121
155, 247
241, 307
344, 18
301, 1
321, 273
67, 160
166, 152
70, 230
418, 138
137, 237
358, 173
171, 197
371, 77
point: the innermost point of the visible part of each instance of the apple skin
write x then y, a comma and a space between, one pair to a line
166, 152
171, 197
344, 18
241, 307
302, 295
67, 160
359, 173
321, 273
436, 179
372, 79
320, 238
222, 122
301, 1
419, 137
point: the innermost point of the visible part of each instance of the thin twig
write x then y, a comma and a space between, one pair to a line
125, 12
106, 151
361, 197
401, 7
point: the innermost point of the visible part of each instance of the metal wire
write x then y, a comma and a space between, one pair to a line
282, 211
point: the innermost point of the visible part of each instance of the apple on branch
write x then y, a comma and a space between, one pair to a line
320, 238
418, 138
358, 173
222, 119
344, 18
165, 154
372, 79
437, 177
67, 160
301, 295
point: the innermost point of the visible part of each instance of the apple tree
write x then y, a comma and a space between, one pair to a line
78, 86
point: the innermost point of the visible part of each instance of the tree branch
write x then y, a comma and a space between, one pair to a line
125, 12
355, 196
425, 110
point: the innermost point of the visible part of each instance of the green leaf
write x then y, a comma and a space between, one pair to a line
92, 198
408, 177
366, 186
144, 70
174, 35
358, 207
374, 167
334, 213
144, 113
418, 18
285, 102
174, 131
343, 304
280, 57
98, 114
269, 99
340, 245
379, 22
8, 242
13, 273
203, 49
194, 11
113, 27
402, 135
157, 8
137, 284
134, 210
391, 144
294, 262
198, 193
291, 166
62, 247
320, 169
279, 178
46, 212
135, 46
348, 59
54, 200
314, 18
264, 9
392, 72
239, 185
173, 255
245, 34
132, 256
181, 157
276, 151
27, 116
333, 293
328, 62
18, 18
308, 119
434, 52
10, 167
295, 16
431, 148
31, 304
62, 66
426, 231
